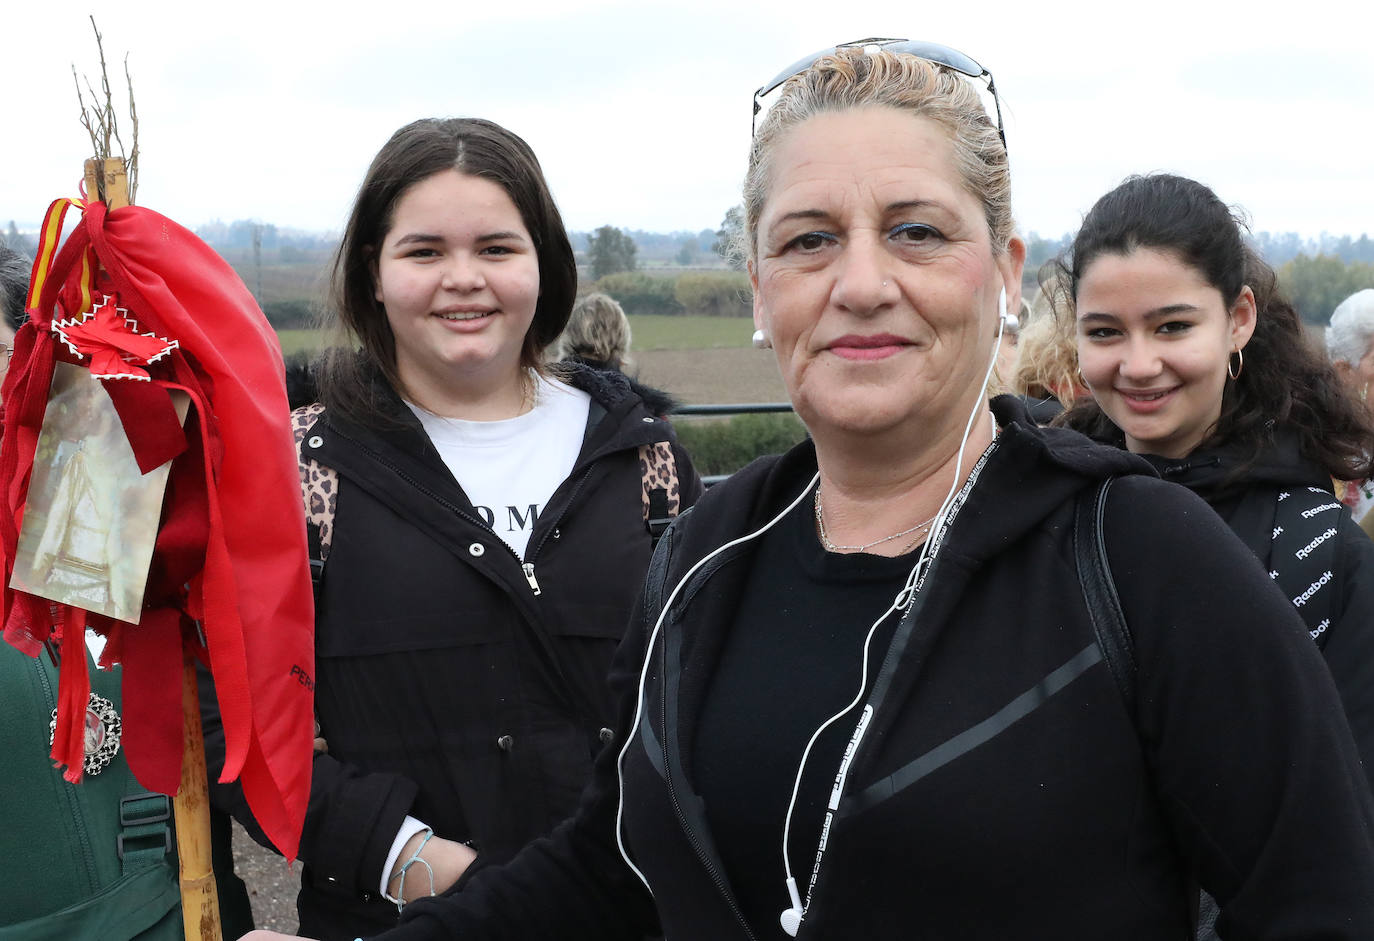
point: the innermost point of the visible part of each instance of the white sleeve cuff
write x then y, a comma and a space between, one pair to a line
409, 827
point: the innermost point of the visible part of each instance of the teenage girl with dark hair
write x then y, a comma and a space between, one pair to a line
486, 524
1199, 364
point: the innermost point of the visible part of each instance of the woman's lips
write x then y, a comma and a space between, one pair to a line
1145, 401
879, 346
464, 321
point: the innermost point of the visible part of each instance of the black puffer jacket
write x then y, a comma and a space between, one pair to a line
1244, 489
1001, 789
447, 687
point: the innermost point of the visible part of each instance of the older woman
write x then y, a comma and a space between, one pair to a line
863, 697
1350, 347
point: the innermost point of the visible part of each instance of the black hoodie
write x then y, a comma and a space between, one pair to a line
1244, 488
1001, 788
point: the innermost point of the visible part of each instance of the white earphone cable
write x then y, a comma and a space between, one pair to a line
648, 653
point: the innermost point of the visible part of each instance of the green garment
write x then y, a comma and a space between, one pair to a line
61, 872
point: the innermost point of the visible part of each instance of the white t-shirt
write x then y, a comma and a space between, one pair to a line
510, 468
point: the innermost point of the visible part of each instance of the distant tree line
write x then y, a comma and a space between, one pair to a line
1317, 284
1317, 273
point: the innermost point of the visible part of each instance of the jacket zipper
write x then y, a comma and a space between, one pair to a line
69, 791
528, 569
716, 878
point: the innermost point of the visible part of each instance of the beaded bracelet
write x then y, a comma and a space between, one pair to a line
400, 899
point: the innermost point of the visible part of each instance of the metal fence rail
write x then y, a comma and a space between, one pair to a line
738, 408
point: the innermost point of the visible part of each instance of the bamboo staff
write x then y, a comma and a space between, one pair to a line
108, 179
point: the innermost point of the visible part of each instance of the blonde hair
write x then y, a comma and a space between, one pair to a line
598, 331
1047, 355
852, 78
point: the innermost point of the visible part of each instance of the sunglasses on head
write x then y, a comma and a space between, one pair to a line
930, 51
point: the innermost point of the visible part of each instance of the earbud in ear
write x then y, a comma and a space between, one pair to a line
1010, 323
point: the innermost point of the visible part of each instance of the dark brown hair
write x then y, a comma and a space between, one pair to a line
416, 152
1285, 382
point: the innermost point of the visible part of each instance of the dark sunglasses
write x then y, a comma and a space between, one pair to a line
930, 51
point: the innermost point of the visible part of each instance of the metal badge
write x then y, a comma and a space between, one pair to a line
103, 729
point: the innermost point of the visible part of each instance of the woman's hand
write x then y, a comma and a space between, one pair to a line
448, 860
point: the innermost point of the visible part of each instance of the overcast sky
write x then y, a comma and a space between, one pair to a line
639, 111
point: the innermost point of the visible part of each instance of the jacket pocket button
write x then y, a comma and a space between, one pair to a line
315, 441
476, 550
505, 743
606, 736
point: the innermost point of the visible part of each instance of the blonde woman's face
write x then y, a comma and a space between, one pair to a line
876, 278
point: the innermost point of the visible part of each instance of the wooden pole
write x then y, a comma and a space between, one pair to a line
199, 899
106, 180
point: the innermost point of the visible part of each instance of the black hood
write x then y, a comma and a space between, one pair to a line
1220, 473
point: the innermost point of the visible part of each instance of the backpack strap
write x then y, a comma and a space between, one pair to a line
659, 481
1099, 591
319, 491
1302, 554
1115, 641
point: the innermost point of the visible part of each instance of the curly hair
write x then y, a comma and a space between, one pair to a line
1286, 382
1047, 352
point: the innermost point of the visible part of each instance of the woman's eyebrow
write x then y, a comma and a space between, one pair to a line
1169, 310
500, 237
410, 237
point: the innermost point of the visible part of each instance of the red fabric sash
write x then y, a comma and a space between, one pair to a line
230, 551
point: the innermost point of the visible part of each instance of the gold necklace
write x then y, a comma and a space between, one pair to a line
833, 547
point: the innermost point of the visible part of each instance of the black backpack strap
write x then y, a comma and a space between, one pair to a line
1115, 641
1099, 591
1302, 554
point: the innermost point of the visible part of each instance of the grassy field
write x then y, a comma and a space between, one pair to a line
700, 360
650, 333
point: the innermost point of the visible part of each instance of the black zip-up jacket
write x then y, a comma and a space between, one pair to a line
1244, 488
456, 682
1002, 789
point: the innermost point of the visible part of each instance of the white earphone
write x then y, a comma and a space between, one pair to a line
1009, 323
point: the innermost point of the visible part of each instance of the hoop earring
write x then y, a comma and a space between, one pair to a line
1240, 365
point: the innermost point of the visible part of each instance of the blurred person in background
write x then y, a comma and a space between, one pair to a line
1045, 373
1350, 347
597, 335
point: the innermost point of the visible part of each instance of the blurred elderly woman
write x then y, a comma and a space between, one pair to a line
864, 696
598, 333
1350, 347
